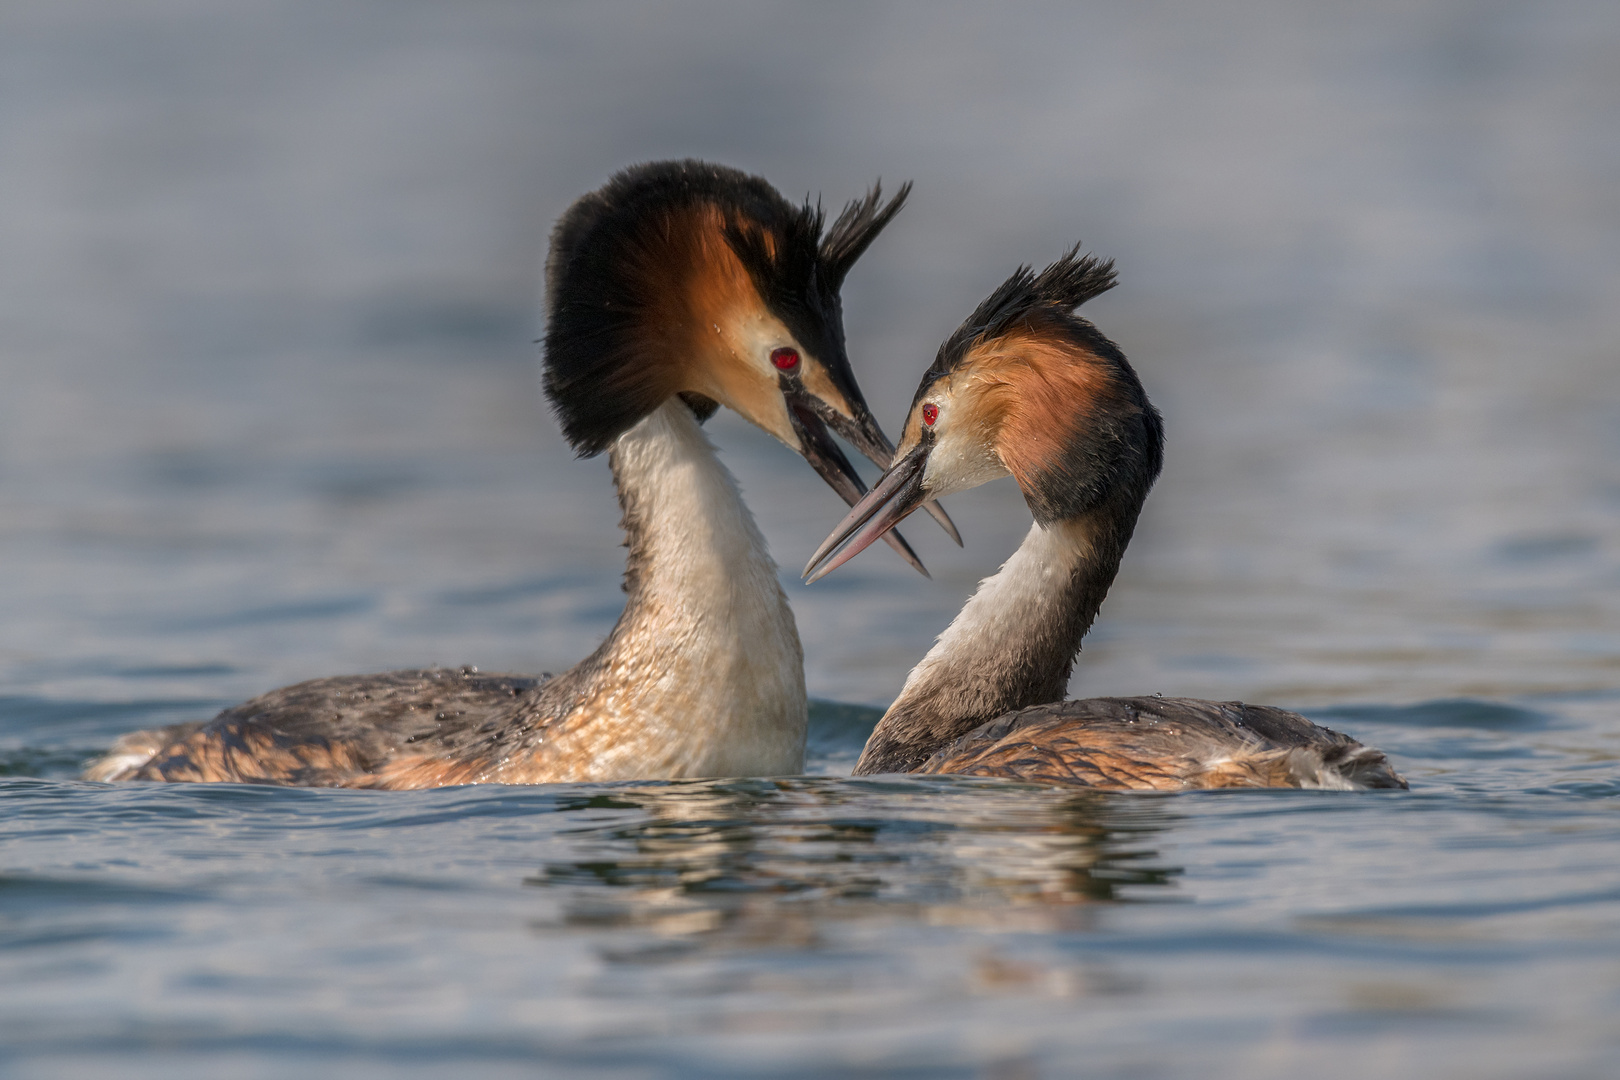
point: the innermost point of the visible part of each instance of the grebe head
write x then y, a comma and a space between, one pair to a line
688, 278
1023, 387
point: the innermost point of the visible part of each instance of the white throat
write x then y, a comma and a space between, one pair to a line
1006, 621
704, 674
1012, 646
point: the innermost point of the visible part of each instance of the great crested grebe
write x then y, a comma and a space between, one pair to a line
1027, 388
675, 288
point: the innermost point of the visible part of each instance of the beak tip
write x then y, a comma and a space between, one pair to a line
937, 512
874, 517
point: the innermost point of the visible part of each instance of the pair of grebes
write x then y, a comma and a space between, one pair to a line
680, 287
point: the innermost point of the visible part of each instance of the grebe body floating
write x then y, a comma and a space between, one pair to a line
1027, 388
674, 289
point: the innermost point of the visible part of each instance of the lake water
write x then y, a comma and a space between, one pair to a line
268, 277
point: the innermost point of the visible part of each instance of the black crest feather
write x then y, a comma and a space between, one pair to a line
1027, 299
856, 228
1118, 445
604, 369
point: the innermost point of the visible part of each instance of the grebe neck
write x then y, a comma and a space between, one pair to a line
703, 674
1011, 646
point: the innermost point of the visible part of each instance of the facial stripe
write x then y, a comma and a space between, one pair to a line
1051, 388
819, 382
1015, 403
725, 328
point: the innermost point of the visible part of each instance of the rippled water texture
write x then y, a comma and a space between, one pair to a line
268, 277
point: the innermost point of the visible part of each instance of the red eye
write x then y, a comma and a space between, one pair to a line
785, 359
930, 413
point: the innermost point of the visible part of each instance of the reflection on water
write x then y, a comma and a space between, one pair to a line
759, 864
788, 927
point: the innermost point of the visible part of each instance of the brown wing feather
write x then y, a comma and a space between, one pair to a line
1164, 744
349, 731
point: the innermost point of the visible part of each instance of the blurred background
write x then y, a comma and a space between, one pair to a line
269, 410
269, 278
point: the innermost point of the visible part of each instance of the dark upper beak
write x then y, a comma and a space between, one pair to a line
897, 493
827, 459
864, 434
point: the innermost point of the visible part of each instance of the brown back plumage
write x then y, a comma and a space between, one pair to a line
1165, 744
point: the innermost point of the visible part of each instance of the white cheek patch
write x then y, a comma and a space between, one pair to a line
754, 335
743, 377
958, 462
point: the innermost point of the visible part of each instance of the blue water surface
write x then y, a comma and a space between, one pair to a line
791, 927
